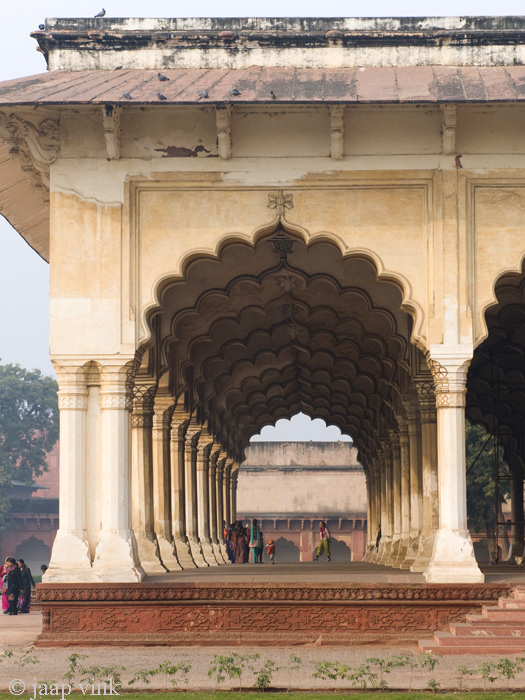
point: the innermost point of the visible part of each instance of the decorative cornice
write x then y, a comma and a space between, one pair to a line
72, 402
251, 592
36, 146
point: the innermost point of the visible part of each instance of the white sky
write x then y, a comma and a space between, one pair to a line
23, 275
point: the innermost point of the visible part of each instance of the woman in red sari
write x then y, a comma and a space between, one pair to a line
3, 588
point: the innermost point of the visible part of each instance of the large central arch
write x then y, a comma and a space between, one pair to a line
261, 332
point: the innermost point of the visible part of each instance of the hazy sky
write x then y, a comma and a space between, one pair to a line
23, 275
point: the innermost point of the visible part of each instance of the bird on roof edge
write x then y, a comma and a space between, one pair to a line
162, 77
126, 95
161, 96
41, 27
202, 93
101, 13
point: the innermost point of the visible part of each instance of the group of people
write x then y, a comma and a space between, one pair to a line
246, 544
16, 583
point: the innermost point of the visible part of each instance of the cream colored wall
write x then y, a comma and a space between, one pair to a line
445, 234
301, 492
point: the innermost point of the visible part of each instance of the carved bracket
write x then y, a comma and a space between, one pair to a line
224, 135
111, 123
449, 115
337, 131
36, 146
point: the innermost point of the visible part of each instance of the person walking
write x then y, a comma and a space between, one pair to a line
271, 551
13, 581
24, 602
255, 541
378, 538
324, 542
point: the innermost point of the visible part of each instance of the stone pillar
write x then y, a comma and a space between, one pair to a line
385, 544
116, 558
179, 424
429, 474
162, 481
190, 474
204, 445
221, 515
416, 489
396, 502
142, 479
517, 517
369, 516
215, 532
405, 495
70, 558
226, 502
453, 558
233, 491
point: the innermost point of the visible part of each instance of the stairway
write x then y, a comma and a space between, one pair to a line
500, 629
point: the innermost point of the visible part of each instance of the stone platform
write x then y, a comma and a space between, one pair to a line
253, 607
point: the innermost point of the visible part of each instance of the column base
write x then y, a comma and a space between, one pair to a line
182, 547
222, 547
208, 553
453, 559
217, 552
402, 552
148, 553
116, 559
70, 559
411, 553
424, 553
394, 551
168, 554
385, 547
196, 553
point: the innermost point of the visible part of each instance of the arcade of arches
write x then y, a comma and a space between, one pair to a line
310, 237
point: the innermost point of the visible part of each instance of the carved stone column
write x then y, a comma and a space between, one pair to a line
429, 477
215, 534
396, 502
204, 445
190, 474
416, 490
517, 517
142, 479
233, 490
385, 544
179, 424
116, 558
70, 558
221, 517
162, 481
453, 558
226, 503
405, 495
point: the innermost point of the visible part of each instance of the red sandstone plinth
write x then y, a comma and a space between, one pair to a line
253, 613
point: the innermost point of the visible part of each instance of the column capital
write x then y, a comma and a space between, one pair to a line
449, 366
114, 387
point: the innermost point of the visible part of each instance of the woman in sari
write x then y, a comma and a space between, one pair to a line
255, 541
24, 601
241, 543
3, 586
230, 543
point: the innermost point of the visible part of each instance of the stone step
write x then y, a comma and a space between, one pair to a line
445, 639
511, 603
431, 646
480, 620
492, 612
489, 629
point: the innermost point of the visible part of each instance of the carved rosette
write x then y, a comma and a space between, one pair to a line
36, 146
